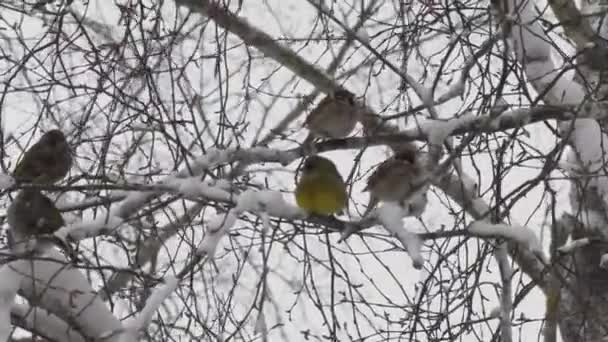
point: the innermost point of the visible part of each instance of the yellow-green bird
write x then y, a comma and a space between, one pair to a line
321, 189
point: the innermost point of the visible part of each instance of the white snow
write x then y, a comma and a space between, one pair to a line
158, 296
572, 245
216, 229
271, 202
519, 234
66, 292
8, 290
604, 261
193, 188
439, 130
89, 228
391, 216
34, 318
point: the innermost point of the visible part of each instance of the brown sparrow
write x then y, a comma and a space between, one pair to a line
394, 179
47, 161
334, 117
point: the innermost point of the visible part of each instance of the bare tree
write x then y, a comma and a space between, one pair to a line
185, 120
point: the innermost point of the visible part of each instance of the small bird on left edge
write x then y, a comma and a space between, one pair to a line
47, 161
32, 214
321, 189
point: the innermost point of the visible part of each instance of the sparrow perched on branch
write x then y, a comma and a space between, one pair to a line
321, 189
47, 161
334, 117
395, 179
32, 213
33, 217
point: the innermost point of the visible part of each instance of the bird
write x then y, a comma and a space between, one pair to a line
395, 178
334, 117
47, 161
32, 214
321, 189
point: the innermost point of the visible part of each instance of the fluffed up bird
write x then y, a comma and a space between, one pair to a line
334, 117
32, 214
321, 189
47, 161
395, 178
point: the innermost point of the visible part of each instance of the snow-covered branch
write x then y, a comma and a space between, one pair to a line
11, 279
43, 323
391, 216
573, 245
257, 202
159, 295
462, 190
506, 297
64, 291
523, 236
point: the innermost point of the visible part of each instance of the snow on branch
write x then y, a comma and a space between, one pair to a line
573, 245
89, 228
216, 229
469, 123
533, 50
190, 187
604, 261
506, 300
65, 292
193, 188
11, 279
521, 235
391, 216
271, 202
257, 202
463, 190
44, 324
159, 295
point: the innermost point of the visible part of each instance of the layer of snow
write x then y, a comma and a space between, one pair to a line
572, 245
158, 296
391, 216
216, 229
604, 261
89, 228
522, 235
65, 292
8, 290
